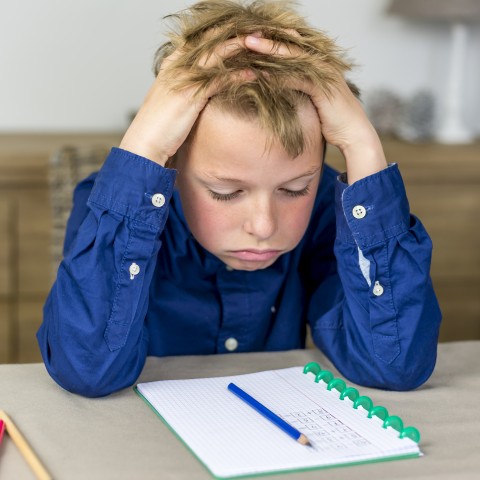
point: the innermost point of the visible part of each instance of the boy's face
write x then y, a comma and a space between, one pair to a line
246, 203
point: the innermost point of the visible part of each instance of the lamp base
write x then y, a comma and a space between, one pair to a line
452, 129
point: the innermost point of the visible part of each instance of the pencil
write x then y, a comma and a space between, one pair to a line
37, 468
269, 415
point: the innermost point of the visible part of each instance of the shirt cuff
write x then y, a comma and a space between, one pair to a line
135, 187
373, 209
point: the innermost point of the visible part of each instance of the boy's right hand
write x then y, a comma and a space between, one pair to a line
167, 115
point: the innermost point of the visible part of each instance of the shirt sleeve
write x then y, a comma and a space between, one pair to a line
375, 313
93, 339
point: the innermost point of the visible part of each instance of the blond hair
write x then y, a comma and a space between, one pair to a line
201, 28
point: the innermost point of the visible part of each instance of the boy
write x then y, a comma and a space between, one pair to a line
259, 237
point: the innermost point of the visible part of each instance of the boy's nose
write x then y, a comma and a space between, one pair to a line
262, 220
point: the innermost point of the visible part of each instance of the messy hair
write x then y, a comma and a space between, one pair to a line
198, 30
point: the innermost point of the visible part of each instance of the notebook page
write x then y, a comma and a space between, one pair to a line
232, 439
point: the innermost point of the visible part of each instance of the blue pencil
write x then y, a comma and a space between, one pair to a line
268, 414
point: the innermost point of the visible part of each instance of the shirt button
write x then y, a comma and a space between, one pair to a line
229, 268
273, 309
377, 289
359, 211
158, 200
134, 270
231, 344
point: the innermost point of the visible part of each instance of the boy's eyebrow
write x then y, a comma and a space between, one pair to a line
222, 179
309, 173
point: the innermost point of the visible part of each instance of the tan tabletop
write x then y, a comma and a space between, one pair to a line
119, 437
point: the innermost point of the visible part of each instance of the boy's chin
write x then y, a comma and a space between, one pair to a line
236, 264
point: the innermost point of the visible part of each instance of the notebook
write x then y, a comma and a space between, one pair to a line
232, 440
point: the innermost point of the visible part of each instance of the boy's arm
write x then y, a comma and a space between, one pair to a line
93, 339
343, 121
373, 310
376, 314
389, 317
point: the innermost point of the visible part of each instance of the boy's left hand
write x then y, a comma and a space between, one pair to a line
343, 120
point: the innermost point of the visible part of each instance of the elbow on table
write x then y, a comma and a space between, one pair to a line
84, 385
396, 376
87, 382
91, 377
90, 371
399, 381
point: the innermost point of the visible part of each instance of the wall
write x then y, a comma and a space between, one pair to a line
81, 66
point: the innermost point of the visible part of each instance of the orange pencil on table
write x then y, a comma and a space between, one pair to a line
28, 454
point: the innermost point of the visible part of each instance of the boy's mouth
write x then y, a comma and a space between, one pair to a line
254, 255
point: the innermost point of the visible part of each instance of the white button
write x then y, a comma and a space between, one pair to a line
273, 309
158, 200
229, 268
231, 344
134, 270
377, 289
359, 211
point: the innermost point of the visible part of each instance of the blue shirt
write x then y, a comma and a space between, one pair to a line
134, 282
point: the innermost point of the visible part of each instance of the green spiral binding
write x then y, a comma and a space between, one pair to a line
351, 393
338, 384
324, 375
405, 432
361, 401
320, 374
378, 411
412, 433
313, 367
394, 422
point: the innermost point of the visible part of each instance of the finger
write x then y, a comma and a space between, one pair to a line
170, 58
254, 42
271, 47
292, 32
304, 85
225, 50
210, 59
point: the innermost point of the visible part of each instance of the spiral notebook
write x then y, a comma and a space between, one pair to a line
233, 440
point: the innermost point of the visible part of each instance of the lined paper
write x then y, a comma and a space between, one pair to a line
232, 439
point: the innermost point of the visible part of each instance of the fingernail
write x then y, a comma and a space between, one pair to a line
253, 40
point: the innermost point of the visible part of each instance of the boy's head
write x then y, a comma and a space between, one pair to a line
249, 172
246, 204
202, 28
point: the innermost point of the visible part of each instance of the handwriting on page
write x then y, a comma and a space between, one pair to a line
325, 430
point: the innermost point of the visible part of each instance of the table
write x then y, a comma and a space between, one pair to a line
119, 437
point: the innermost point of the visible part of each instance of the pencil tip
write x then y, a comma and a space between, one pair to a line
304, 440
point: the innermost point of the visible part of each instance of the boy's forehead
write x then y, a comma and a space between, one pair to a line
226, 148
231, 121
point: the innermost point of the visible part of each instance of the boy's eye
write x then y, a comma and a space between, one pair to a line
296, 193
224, 197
